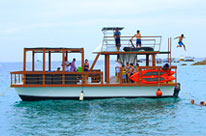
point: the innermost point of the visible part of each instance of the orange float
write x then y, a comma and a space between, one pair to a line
159, 93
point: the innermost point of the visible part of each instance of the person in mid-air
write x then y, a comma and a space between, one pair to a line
180, 43
138, 41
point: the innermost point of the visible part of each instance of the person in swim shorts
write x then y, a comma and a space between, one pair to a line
138, 41
180, 43
117, 35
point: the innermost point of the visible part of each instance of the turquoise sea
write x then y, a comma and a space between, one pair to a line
109, 117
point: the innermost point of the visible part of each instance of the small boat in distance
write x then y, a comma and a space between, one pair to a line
182, 58
56, 84
189, 59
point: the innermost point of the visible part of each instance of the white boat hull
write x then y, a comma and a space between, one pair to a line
43, 93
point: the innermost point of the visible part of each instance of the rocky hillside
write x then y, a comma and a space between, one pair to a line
200, 62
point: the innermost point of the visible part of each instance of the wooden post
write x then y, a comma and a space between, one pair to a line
44, 66
147, 59
93, 64
63, 61
82, 59
101, 78
11, 79
63, 66
140, 77
15, 78
120, 79
33, 61
67, 54
153, 60
170, 51
24, 68
24, 75
158, 75
106, 68
19, 78
44, 60
49, 60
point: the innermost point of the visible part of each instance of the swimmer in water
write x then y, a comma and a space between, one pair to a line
192, 101
202, 103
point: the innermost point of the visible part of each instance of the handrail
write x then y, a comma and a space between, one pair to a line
36, 78
55, 72
22, 77
154, 42
131, 36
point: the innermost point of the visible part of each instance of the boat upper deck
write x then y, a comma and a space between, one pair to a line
132, 52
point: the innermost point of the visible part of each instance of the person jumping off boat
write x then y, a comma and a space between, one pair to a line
117, 35
138, 41
180, 43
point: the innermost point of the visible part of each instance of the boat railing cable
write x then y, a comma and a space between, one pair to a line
186, 95
4, 91
147, 41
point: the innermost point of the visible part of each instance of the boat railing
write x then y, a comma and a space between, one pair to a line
158, 68
108, 43
30, 78
46, 79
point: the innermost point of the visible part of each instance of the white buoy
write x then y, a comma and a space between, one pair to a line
81, 97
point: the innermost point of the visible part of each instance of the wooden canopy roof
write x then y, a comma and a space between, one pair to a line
111, 28
54, 50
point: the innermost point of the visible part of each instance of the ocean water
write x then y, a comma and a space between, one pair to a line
111, 117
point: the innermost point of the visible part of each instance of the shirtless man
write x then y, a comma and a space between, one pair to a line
117, 36
180, 43
138, 41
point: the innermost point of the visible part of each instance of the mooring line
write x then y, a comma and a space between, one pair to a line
4, 91
186, 95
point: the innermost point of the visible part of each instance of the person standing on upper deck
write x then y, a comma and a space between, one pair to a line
117, 35
138, 41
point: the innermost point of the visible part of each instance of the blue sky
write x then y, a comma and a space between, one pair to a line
65, 23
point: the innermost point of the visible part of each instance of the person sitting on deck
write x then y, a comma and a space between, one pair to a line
73, 66
124, 80
58, 69
66, 64
86, 65
166, 67
117, 35
138, 41
180, 43
117, 70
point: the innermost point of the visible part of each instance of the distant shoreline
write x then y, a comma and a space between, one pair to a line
200, 62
